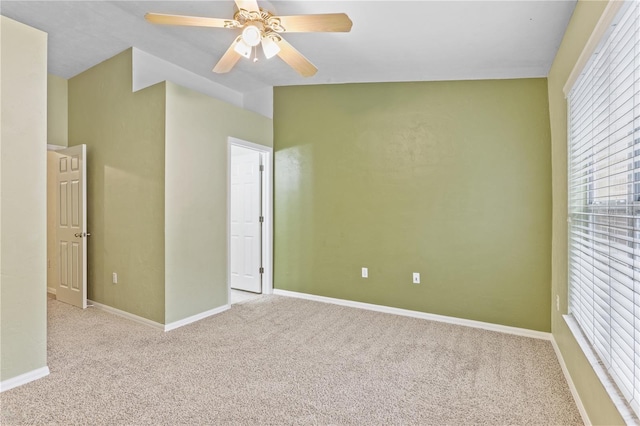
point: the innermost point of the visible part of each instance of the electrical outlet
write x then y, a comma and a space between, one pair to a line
114, 278
416, 277
365, 272
557, 302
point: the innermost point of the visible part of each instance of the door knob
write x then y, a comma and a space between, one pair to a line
78, 235
87, 234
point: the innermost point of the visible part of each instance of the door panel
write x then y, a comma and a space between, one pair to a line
71, 230
245, 233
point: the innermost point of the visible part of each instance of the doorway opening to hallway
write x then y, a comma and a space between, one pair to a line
250, 221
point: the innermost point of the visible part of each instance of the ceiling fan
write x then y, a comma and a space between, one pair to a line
262, 27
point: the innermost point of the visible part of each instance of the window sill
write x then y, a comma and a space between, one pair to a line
618, 400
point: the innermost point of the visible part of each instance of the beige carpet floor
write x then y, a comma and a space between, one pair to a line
276, 360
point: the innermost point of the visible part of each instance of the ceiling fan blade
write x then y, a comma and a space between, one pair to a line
328, 22
250, 5
229, 58
295, 59
193, 21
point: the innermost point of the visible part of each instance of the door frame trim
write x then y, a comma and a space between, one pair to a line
267, 228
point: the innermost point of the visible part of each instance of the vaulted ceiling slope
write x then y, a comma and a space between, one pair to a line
389, 41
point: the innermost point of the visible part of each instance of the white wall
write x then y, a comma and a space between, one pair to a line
197, 130
23, 233
149, 70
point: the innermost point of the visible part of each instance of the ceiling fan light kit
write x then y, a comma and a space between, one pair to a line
251, 35
262, 27
242, 48
269, 47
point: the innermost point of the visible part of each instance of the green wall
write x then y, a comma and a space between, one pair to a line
124, 133
57, 110
449, 179
197, 129
23, 168
52, 220
593, 395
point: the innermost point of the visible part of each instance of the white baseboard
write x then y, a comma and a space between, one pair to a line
127, 315
421, 315
51, 290
194, 318
572, 386
163, 327
23, 379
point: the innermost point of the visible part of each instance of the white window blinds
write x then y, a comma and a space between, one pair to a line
604, 201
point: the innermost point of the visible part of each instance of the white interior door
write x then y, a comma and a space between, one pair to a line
245, 220
71, 230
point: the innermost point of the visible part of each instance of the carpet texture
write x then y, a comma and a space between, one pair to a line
277, 360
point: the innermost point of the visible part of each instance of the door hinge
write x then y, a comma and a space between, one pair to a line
261, 270
261, 168
261, 219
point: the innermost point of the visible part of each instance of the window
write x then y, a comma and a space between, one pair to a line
604, 201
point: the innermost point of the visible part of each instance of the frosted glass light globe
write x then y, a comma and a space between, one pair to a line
251, 35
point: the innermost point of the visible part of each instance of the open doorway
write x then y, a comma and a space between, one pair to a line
52, 257
250, 221
67, 224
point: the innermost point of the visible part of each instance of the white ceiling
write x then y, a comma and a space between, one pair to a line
390, 40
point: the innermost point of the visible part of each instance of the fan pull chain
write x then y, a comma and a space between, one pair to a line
255, 54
